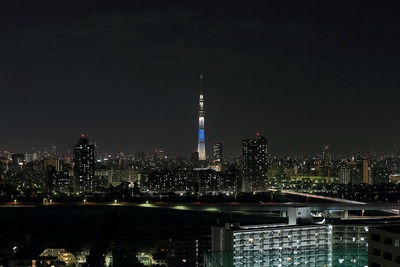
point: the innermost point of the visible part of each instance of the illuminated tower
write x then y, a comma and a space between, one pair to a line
201, 148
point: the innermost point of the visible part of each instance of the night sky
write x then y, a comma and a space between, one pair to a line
126, 74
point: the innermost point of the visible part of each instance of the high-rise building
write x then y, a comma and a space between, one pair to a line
84, 166
345, 175
217, 157
255, 164
365, 172
326, 155
380, 174
33, 155
292, 244
54, 151
17, 159
62, 183
201, 148
218, 150
360, 172
46, 153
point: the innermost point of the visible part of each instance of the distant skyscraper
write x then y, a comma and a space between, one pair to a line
365, 172
17, 159
84, 166
255, 165
217, 156
218, 149
380, 174
345, 173
201, 148
46, 153
54, 151
326, 155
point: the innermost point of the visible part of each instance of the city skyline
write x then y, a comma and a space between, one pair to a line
126, 75
46, 151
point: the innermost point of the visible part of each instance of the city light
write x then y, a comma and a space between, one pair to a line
105, 148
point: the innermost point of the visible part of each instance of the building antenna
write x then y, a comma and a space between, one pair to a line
201, 84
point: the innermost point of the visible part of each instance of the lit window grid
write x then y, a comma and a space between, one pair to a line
305, 246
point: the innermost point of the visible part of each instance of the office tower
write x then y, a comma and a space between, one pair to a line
62, 183
201, 148
360, 172
218, 150
217, 156
271, 244
255, 165
345, 175
84, 166
380, 174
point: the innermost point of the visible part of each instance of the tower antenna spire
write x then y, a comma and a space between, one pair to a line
201, 84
